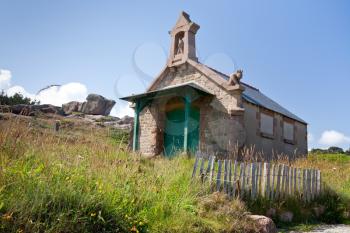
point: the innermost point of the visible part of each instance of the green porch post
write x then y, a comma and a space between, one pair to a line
135, 142
186, 125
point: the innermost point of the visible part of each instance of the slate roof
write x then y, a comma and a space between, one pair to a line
254, 96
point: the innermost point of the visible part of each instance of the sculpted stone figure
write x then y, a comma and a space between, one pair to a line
235, 78
180, 46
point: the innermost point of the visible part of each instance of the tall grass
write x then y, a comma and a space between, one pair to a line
82, 180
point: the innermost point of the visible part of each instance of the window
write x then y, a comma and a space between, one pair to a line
288, 132
266, 125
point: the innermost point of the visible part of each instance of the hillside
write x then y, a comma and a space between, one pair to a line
83, 179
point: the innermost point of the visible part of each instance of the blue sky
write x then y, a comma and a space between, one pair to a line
297, 52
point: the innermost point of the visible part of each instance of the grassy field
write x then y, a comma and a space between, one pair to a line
83, 179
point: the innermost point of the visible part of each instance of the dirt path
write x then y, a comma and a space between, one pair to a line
332, 229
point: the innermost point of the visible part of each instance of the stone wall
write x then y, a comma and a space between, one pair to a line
276, 144
219, 131
150, 125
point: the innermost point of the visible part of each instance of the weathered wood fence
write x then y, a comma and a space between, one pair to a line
269, 180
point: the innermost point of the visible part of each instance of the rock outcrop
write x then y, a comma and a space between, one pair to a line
94, 105
73, 106
264, 224
97, 105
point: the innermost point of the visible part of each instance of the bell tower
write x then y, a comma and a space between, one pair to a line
183, 40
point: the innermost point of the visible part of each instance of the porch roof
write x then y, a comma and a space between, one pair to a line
182, 89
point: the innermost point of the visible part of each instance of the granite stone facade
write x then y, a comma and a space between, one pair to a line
229, 116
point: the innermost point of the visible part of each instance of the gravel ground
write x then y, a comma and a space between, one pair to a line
332, 229
328, 229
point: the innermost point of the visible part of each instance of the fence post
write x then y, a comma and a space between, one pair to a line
253, 179
218, 177
304, 185
267, 167
290, 174
286, 190
311, 184
230, 178
257, 177
225, 176
318, 188
201, 167
308, 184
207, 171
299, 183
283, 180
248, 176
212, 167
234, 178
258, 183
263, 180
195, 167
278, 187
273, 181
242, 175
315, 183
294, 181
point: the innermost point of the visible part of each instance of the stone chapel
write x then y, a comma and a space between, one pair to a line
191, 107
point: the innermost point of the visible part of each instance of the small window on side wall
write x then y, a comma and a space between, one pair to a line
266, 125
288, 132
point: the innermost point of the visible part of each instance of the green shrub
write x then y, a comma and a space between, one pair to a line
15, 99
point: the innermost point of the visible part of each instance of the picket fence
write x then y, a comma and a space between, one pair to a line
252, 179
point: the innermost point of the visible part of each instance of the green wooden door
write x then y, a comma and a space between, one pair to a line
174, 131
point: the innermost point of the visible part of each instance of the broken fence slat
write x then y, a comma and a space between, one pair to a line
195, 167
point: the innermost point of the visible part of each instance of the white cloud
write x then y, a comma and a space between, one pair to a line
58, 95
5, 79
122, 110
333, 138
18, 89
55, 95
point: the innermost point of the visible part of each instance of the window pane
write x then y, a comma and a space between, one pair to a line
266, 125
288, 131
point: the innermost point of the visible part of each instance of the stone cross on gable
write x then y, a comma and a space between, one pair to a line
183, 43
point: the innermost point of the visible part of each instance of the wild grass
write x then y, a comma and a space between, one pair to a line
334, 200
82, 179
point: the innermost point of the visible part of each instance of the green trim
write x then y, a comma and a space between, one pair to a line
135, 142
186, 125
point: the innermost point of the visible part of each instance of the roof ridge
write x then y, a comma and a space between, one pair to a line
219, 72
